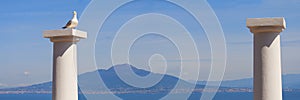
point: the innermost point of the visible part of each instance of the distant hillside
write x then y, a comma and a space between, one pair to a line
114, 83
117, 86
291, 81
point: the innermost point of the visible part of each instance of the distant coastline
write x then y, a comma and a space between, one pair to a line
178, 91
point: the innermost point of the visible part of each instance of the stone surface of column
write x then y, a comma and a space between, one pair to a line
267, 57
64, 86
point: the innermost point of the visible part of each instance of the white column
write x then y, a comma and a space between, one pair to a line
65, 85
267, 57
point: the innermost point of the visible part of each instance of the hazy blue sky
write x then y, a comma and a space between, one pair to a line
26, 57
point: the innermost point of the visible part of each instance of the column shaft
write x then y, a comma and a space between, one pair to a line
65, 71
267, 67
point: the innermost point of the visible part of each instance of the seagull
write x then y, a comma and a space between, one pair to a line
73, 22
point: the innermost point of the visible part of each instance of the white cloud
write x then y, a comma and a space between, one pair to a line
26, 73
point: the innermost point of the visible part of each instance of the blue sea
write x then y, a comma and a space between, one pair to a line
219, 96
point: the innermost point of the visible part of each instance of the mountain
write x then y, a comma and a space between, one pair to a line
119, 87
112, 80
88, 83
47, 86
290, 81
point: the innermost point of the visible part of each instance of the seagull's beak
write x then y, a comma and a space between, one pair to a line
74, 12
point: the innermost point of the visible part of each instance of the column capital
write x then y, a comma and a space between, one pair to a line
266, 25
68, 35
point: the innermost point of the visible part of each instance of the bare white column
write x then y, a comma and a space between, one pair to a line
267, 57
65, 85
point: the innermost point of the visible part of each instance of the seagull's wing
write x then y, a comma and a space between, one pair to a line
68, 24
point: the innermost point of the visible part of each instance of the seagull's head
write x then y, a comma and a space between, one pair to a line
74, 12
